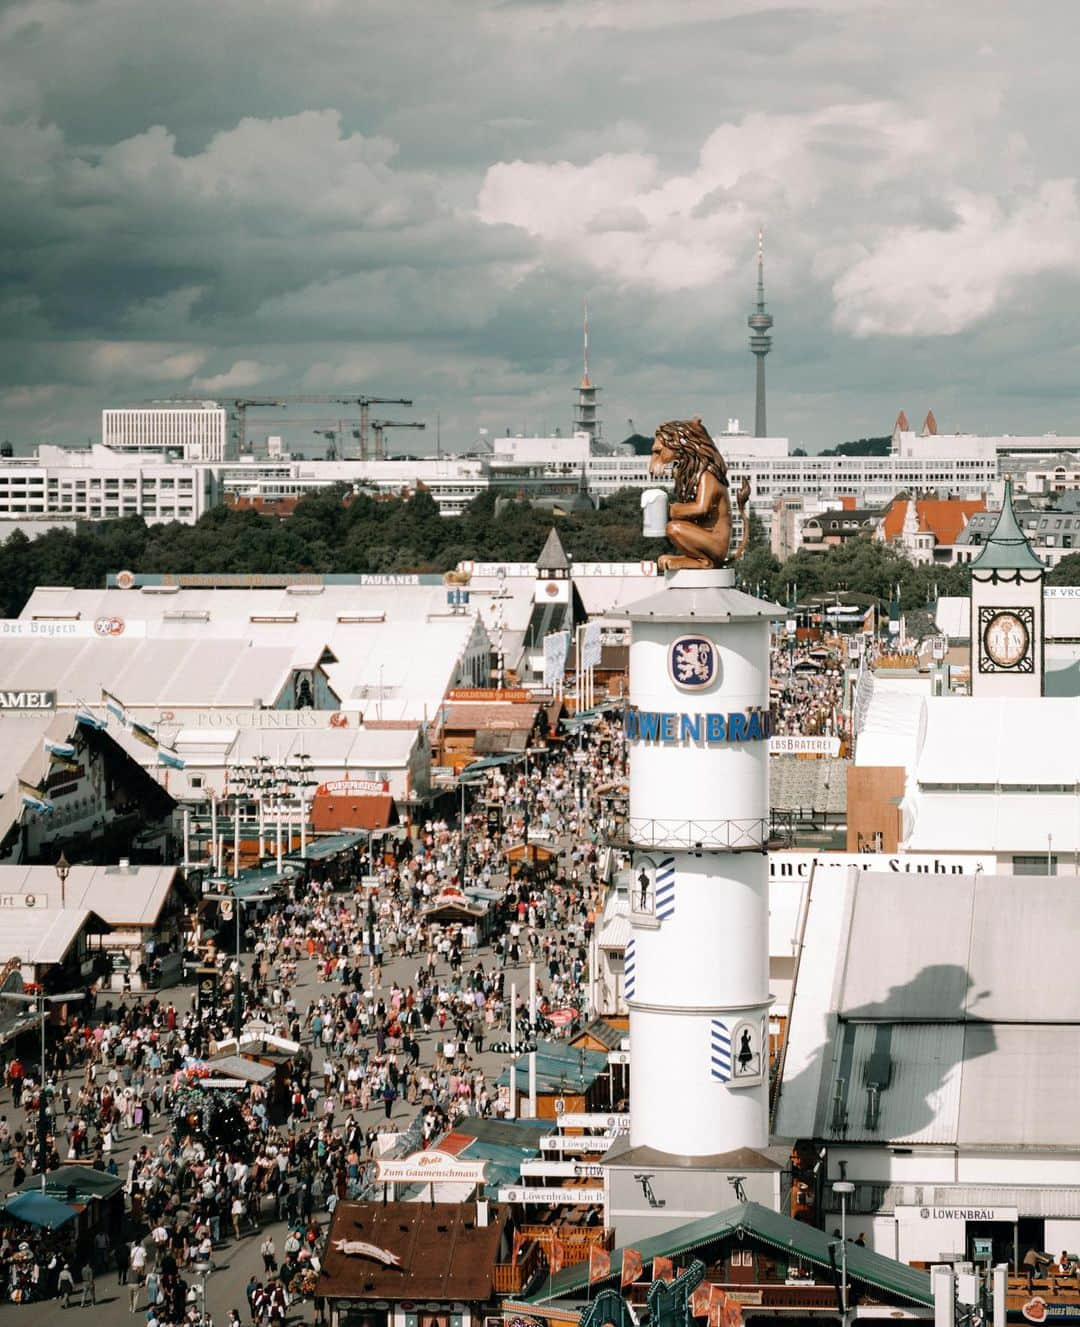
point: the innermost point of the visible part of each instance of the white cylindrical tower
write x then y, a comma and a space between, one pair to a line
697, 965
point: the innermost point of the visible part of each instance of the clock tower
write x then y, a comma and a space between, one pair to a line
1007, 612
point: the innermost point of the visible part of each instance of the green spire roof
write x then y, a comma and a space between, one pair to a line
1007, 549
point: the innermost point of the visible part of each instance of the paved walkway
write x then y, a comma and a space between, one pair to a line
235, 1262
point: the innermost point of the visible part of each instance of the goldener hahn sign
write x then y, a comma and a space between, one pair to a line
432, 1167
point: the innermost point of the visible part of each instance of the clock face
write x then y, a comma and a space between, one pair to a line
1006, 639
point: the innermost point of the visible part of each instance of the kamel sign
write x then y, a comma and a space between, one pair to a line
431, 1167
27, 700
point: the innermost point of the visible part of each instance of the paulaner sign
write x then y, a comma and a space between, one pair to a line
27, 700
753, 725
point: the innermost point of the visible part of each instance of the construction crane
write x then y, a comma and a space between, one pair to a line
238, 406
377, 426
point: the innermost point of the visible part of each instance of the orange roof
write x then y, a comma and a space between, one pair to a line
901, 425
943, 517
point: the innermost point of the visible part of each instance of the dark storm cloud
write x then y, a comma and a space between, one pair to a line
273, 194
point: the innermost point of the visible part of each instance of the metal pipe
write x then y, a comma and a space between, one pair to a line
513, 1050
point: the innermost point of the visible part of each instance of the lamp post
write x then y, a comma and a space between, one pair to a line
202, 1270
63, 870
41, 1003
844, 1188
237, 904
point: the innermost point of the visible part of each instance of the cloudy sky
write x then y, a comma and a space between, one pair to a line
414, 197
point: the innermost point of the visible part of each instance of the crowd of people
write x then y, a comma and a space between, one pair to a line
362, 1052
807, 689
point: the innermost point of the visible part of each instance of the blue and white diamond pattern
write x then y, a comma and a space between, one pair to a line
665, 889
628, 970
719, 1051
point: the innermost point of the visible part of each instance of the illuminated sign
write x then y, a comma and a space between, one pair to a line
754, 725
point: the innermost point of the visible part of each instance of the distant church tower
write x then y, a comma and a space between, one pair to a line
759, 323
1007, 612
586, 419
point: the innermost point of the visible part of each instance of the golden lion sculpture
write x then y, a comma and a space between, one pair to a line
699, 519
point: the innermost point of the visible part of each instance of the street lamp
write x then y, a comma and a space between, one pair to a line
63, 870
844, 1188
202, 1270
237, 904
41, 1003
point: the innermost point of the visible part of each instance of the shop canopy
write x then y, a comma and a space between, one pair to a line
252, 880
488, 763
38, 1209
321, 850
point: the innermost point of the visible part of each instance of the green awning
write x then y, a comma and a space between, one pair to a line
751, 1220
489, 762
318, 850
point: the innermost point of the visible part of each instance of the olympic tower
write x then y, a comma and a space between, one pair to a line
697, 965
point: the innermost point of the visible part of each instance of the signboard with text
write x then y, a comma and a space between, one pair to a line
525, 1194
431, 1167
797, 744
798, 865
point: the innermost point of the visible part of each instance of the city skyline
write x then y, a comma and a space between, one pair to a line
419, 199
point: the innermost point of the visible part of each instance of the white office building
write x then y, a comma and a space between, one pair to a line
97, 484
192, 430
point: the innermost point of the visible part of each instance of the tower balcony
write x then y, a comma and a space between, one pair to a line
750, 835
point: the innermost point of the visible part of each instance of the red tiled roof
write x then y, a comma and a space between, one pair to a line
943, 517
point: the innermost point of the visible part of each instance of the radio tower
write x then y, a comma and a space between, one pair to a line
759, 323
586, 419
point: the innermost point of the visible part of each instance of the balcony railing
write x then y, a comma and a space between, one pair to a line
694, 835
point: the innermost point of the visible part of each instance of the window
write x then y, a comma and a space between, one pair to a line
1039, 863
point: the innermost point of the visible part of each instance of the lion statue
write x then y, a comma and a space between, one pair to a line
699, 519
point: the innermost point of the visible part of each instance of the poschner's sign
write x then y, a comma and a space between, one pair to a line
752, 725
27, 700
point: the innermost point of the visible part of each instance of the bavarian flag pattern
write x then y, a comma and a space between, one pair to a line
665, 889
628, 970
719, 1051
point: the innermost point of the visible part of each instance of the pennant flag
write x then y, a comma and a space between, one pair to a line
719, 1051
170, 758
599, 1264
34, 798
88, 719
143, 733
699, 1301
628, 969
663, 1269
557, 1259
732, 1313
62, 763
717, 1304
114, 706
631, 1267
665, 889
65, 749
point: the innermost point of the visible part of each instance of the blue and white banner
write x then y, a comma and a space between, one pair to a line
719, 1051
665, 889
66, 750
556, 648
590, 650
628, 969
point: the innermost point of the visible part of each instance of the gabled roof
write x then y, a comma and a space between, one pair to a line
929, 427
771, 1228
1007, 549
552, 555
943, 518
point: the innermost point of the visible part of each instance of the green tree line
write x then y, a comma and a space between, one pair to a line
332, 531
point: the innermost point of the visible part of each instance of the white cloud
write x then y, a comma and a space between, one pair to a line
916, 281
244, 373
154, 361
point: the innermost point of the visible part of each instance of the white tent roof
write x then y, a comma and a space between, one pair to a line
1000, 741
889, 732
122, 896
